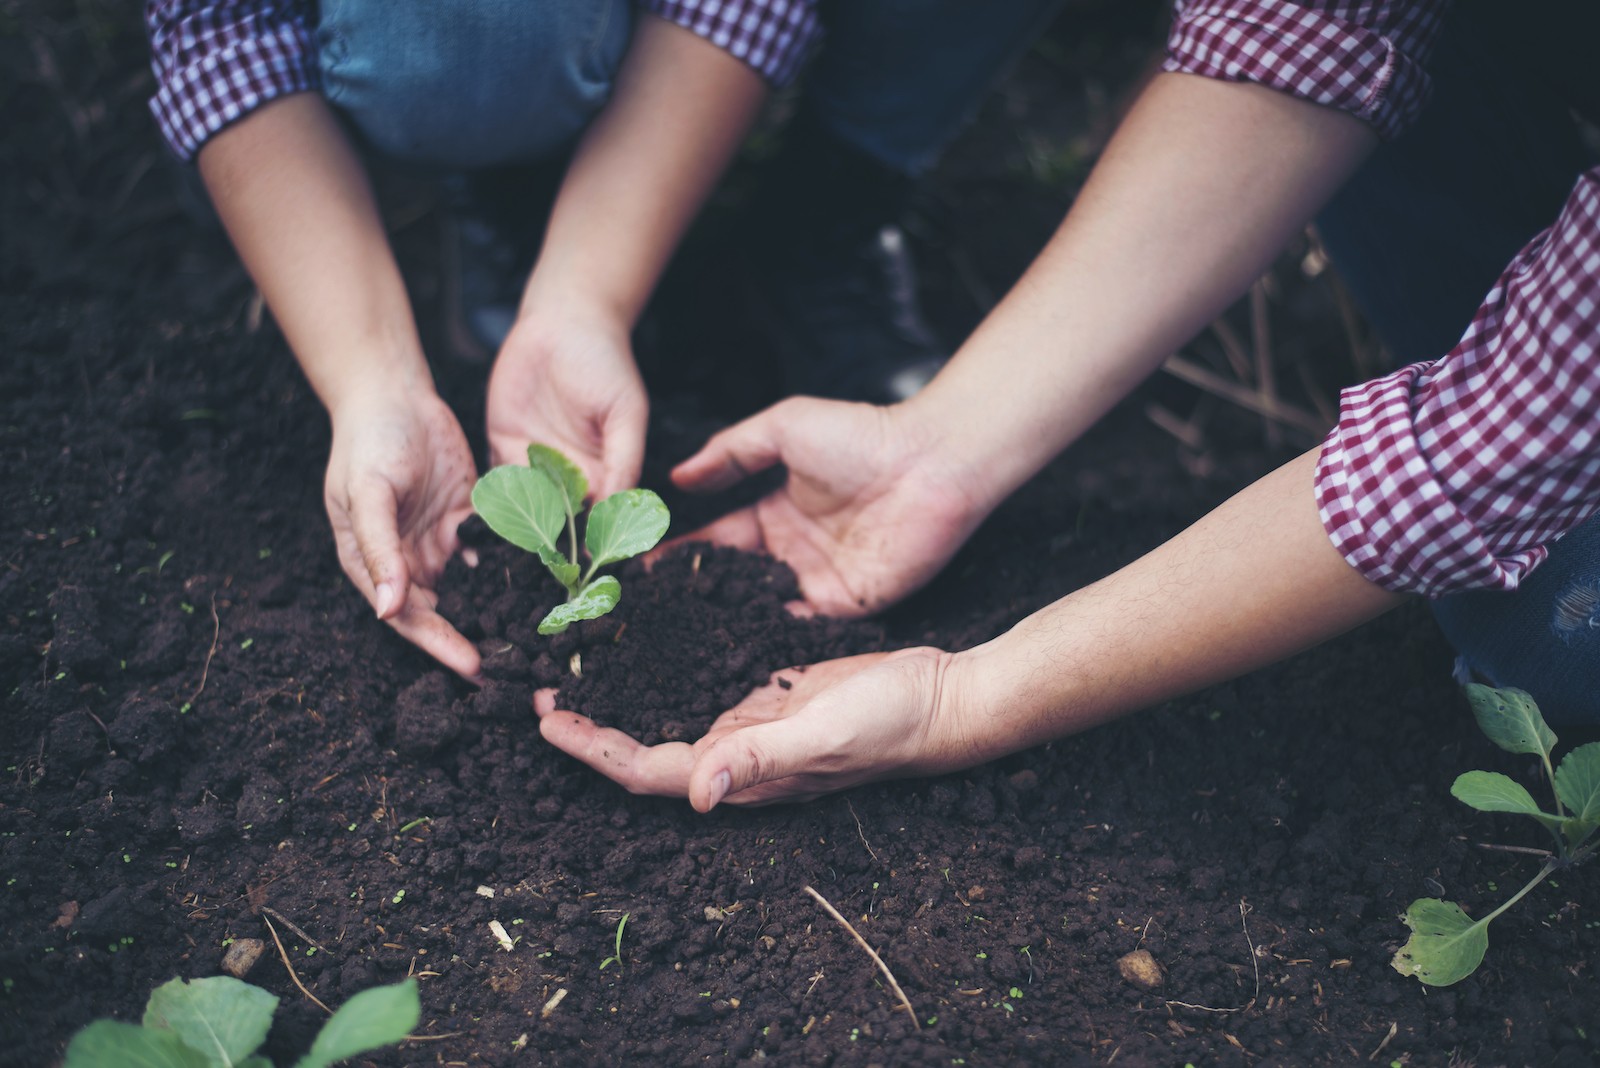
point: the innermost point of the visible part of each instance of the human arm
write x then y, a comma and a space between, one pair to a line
566, 375
1443, 476
1200, 187
298, 207
1254, 581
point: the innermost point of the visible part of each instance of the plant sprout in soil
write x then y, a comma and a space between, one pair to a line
532, 506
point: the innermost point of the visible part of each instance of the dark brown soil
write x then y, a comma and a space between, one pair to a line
203, 723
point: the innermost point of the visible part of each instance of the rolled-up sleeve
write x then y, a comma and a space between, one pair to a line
1365, 58
217, 62
1455, 474
773, 36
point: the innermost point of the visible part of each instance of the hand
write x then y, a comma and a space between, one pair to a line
842, 723
868, 513
399, 482
566, 378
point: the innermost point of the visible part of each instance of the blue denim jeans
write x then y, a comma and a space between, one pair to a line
1420, 235
465, 84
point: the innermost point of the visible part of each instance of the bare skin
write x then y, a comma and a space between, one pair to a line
1201, 186
300, 211
566, 375
1253, 582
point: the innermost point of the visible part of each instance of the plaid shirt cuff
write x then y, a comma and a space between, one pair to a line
773, 36
214, 67
1454, 475
1364, 57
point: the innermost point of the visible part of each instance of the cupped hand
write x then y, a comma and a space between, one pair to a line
566, 377
839, 723
867, 515
399, 482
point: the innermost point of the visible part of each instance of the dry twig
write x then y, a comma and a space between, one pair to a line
862, 942
861, 833
284, 954
216, 632
281, 918
1255, 963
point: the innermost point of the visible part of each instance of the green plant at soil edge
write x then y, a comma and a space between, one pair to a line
1447, 945
532, 506
616, 958
220, 1022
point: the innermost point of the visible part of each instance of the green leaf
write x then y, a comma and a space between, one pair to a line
525, 507
1578, 782
567, 476
373, 1018
1511, 720
1490, 791
112, 1042
624, 525
597, 598
223, 1018
1446, 944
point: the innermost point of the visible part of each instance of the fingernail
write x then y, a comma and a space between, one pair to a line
720, 783
385, 598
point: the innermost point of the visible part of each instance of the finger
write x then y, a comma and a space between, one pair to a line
622, 449
738, 530
425, 628
373, 519
743, 760
733, 454
658, 770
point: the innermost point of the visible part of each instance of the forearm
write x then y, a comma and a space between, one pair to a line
1253, 582
680, 108
1202, 185
300, 211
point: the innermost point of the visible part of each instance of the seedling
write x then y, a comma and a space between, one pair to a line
1446, 944
220, 1022
616, 948
530, 506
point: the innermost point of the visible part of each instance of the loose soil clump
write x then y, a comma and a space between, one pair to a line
206, 729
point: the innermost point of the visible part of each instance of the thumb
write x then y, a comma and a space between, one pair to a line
745, 759
736, 453
373, 513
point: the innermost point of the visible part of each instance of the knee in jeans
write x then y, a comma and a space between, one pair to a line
470, 84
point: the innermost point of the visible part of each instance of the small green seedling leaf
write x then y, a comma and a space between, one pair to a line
624, 525
1511, 720
1578, 782
107, 1042
525, 506
1490, 791
567, 476
1446, 945
597, 598
373, 1018
223, 1018
530, 506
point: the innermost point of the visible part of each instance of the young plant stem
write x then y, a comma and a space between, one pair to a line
1544, 873
1550, 778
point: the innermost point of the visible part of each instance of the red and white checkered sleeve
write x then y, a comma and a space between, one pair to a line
217, 62
1455, 474
773, 36
1364, 57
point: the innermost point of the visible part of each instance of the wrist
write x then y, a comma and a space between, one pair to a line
949, 467
574, 291
377, 385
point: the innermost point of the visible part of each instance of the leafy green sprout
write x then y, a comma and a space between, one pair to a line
1447, 945
220, 1022
616, 948
532, 506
